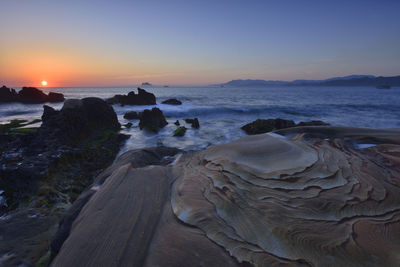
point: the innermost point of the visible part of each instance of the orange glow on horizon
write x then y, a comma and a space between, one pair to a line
44, 83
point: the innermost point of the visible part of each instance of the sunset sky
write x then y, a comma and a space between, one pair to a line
122, 43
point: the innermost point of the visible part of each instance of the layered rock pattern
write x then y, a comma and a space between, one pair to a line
314, 198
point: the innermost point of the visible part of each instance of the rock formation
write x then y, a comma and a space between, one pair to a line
315, 196
132, 115
141, 98
263, 126
152, 120
29, 95
48, 170
172, 101
194, 122
180, 131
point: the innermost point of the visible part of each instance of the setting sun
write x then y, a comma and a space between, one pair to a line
44, 83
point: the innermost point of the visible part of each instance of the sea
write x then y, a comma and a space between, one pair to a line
222, 111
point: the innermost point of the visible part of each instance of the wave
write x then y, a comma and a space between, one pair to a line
190, 110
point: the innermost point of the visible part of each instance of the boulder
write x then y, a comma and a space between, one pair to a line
172, 101
180, 131
132, 115
77, 120
177, 123
263, 126
195, 122
141, 98
152, 120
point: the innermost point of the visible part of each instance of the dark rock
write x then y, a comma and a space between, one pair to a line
312, 123
141, 98
132, 115
180, 131
195, 123
128, 125
172, 101
177, 123
146, 84
33, 95
51, 167
29, 95
152, 120
8, 94
263, 126
48, 112
55, 97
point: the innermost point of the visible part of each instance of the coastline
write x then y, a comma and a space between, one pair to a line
58, 190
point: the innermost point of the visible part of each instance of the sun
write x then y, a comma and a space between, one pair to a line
44, 83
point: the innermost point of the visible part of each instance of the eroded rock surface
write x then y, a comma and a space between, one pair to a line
320, 196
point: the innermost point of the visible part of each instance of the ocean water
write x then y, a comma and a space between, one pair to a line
222, 111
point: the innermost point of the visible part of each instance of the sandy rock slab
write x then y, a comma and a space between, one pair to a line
308, 196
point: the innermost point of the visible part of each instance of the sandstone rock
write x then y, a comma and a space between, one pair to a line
258, 201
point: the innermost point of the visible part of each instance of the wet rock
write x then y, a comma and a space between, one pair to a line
128, 125
177, 123
152, 120
263, 126
132, 115
312, 123
141, 98
180, 131
172, 101
194, 122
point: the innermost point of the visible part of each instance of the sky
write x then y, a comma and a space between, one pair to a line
123, 43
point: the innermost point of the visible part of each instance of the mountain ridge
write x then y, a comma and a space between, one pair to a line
350, 80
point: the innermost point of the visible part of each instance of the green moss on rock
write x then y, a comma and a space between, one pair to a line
180, 131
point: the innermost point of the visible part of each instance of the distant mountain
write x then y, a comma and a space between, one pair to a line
351, 80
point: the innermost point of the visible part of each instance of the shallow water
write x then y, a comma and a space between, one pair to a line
222, 111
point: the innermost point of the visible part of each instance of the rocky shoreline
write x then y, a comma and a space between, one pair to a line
258, 201
53, 182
